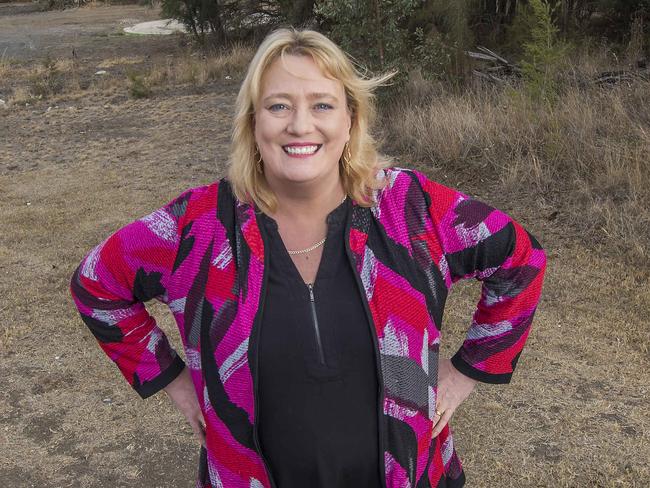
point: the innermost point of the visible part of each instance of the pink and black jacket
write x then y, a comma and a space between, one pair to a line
203, 255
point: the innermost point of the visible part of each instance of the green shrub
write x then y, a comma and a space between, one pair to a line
138, 85
544, 53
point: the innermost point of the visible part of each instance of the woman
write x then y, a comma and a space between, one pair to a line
308, 288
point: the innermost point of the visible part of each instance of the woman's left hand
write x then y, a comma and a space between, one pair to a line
453, 388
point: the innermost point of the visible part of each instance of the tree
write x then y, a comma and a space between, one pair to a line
223, 20
544, 52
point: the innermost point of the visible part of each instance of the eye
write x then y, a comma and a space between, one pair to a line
277, 107
323, 106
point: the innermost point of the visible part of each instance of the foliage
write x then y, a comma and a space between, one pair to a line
138, 85
543, 53
618, 15
373, 31
429, 37
433, 55
63, 4
224, 20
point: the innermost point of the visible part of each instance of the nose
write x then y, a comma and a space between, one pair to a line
301, 121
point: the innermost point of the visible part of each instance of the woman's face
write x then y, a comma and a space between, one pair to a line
302, 123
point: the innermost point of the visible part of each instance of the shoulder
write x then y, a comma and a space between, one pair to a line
412, 183
195, 201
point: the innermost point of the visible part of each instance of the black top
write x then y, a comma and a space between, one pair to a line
317, 381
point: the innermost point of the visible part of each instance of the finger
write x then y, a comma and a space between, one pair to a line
442, 421
436, 416
198, 427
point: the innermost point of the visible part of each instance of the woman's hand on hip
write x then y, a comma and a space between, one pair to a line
453, 388
182, 393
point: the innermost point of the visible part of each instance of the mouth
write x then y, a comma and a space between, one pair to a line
301, 150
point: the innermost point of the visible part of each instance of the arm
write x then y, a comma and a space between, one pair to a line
110, 287
481, 242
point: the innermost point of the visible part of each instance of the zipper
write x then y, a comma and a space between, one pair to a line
314, 321
375, 344
257, 327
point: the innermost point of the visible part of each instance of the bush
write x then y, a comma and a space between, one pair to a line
138, 85
52, 77
543, 54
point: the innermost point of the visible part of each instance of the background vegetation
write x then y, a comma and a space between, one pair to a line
556, 109
543, 98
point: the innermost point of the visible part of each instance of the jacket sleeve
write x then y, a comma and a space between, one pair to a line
110, 287
481, 242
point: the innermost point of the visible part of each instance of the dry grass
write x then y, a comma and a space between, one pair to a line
197, 69
21, 95
121, 61
136, 75
587, 155
5, 65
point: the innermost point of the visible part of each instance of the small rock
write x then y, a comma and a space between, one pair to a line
107, 401
3, 104
28, 203
101, 72
228, 77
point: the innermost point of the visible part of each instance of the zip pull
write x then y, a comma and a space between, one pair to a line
311, 292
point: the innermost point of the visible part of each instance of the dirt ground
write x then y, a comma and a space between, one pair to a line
76, 167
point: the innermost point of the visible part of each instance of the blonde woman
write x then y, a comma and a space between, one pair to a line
308, 287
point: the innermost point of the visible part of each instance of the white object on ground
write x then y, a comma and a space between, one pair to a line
101, 72
158, 27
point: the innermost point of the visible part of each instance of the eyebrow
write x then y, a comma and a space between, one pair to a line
311, 96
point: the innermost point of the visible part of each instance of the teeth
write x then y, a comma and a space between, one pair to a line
301, 149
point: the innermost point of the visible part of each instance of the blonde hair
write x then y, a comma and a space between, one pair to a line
359, 178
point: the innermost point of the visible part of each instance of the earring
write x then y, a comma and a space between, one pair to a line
346, 159
258, 163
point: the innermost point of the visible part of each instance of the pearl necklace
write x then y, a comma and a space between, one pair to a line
313, 246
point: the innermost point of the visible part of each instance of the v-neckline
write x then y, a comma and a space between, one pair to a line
333, 221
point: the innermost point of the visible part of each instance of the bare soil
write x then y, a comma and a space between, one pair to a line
76, 167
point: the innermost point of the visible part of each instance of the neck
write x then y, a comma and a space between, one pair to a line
308, 201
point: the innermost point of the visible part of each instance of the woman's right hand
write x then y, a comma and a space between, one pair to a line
182, 393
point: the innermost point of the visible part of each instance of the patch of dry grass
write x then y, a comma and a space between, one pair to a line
121, 61
587, 156
198, 69
5, 66
62, 76
20, 96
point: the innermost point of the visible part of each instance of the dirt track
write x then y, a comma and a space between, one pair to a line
575, 414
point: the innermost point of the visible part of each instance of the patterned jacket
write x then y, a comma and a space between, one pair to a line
203, 255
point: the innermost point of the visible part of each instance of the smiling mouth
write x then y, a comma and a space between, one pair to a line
301, 150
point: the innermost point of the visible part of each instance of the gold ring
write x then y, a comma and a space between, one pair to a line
438, 413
